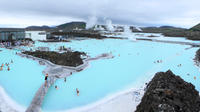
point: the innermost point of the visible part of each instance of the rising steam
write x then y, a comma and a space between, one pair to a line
92, 21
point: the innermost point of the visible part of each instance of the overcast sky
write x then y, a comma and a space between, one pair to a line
21, 13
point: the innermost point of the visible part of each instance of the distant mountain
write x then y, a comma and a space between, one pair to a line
195, 28
72, 25
38, 27
192, 33
162, 29
167, 27
65, 27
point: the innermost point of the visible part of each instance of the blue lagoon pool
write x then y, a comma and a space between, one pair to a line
133, 65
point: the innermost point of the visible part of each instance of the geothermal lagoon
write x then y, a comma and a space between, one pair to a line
135, 62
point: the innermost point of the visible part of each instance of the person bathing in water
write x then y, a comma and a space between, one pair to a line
7, 64
77, 92
65, 79
8, 68
46, 77
56, 87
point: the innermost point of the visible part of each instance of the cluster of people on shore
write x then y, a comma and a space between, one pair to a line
6, 65
56, 87
5, 44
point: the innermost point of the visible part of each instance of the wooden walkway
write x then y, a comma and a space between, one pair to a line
36, 103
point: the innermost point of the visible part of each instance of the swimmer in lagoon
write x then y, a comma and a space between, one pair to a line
77, 91
8, 68
65, 79
56, 87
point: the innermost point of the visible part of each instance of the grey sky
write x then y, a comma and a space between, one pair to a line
181, 13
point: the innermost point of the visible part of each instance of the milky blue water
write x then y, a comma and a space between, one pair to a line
23, 79
132, 65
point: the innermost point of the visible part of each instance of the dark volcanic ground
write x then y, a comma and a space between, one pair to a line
197, 58
169, 93
66, 59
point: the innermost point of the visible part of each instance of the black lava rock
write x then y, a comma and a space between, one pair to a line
69, 58
197, 58
169, 93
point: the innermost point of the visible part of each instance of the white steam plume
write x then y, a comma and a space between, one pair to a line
109, 25
91, 22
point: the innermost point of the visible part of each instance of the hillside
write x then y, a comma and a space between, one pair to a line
162, 29
72, 25
195, 28
192, 33
38, 27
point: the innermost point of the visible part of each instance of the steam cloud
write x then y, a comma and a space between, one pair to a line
92, 21
109, 25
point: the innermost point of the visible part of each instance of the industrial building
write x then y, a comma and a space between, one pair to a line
9, 34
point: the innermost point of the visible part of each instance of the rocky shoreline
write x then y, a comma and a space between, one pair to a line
197, 58
84, 34
52, 41
169, 93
